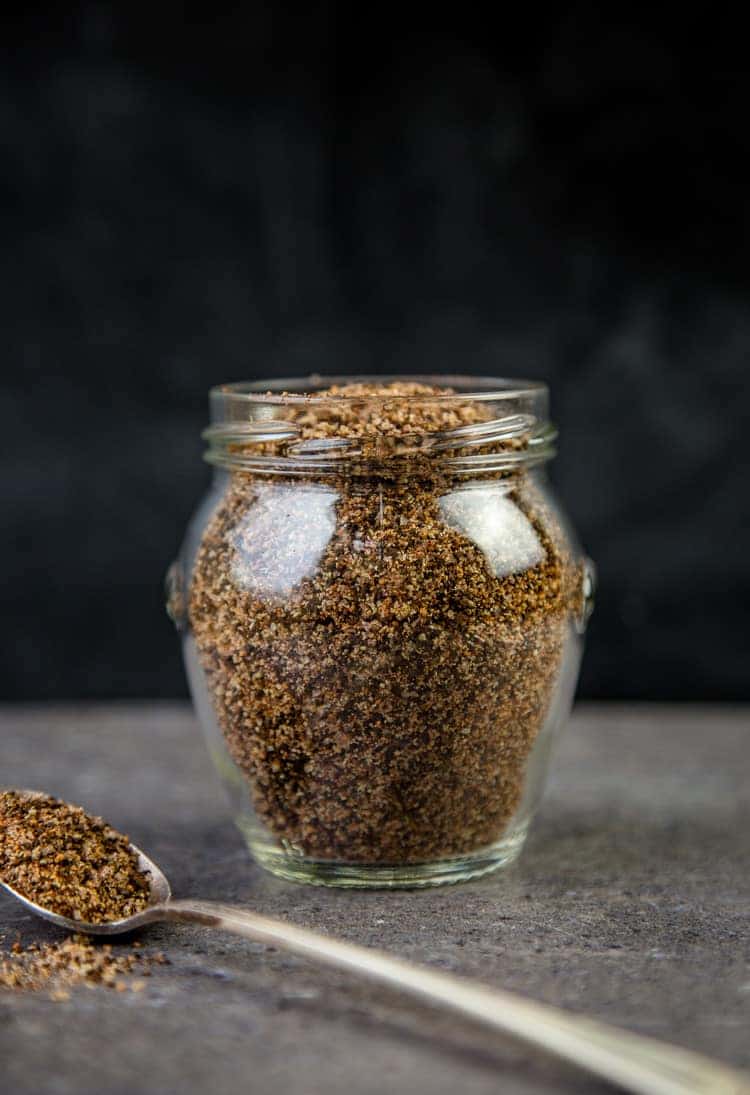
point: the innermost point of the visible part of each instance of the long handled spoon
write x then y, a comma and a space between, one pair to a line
627, 1060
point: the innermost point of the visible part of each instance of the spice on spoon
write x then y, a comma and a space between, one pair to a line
67, 861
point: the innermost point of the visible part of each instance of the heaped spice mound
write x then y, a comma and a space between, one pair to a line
381, 648
68, 862
383, 416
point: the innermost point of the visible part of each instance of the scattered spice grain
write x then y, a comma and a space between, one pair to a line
380, 658
67, 861
72, 962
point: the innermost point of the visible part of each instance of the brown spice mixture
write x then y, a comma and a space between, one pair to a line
67, 861
379, 660
384, 415
72, 962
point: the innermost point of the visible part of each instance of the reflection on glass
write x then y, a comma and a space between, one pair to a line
281, 537
493, 521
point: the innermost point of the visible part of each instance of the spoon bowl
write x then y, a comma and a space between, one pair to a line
159, 894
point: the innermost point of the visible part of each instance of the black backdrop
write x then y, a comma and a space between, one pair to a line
190, 198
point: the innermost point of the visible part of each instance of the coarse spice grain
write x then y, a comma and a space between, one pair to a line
67, 861
75, 961
380, 662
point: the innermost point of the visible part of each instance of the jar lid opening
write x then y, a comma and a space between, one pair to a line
381, 418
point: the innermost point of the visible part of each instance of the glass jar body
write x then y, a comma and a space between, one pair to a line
381, 663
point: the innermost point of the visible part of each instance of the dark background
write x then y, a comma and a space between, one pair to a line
189, 198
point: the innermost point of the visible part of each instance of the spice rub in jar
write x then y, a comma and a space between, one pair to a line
381, 647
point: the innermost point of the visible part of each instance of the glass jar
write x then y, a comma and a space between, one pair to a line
382, 608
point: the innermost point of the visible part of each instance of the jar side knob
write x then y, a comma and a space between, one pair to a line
587, 594
174, 590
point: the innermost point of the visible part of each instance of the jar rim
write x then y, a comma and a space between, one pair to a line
302, 390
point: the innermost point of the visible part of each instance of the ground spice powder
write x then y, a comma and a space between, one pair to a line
380, 662
67, 861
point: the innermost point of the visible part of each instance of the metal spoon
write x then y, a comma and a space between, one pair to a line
627, 1060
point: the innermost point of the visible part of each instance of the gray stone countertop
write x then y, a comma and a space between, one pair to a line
630, 902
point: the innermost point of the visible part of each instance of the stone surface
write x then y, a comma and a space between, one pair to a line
630, 903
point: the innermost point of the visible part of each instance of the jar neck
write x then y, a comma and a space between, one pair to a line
491, 447
447, 426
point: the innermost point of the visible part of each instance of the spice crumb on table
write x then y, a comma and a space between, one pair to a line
73, 962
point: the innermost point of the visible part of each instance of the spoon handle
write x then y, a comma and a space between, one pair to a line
630, 1061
